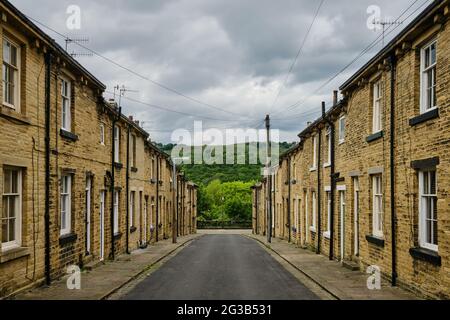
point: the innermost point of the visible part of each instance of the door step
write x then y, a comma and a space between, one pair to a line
93, 264
351, 265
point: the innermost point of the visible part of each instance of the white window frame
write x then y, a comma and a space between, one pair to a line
17, 242
313, 212
16, 93
341, 129
424, 107
66, 211
314, 152
132, 204
102, 134
328, 135
66, 109
116, 212
423, 210
116, 144
377, 124
327, 233
377, 206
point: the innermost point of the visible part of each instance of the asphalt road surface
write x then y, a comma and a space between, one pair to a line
221, 267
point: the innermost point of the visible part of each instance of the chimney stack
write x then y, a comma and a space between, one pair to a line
130, 117
335, 97
323, 108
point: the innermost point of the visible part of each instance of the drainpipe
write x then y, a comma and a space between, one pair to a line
319, 193
332, 177
256, 210
127, 182
393, 63
113, 183
289, 199
157, 199
48, 63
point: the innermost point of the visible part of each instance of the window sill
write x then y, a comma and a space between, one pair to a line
14, 254
341, 142
312, 169
118, 165
327, 235
431, 114
375, 136
327, 165
133, 229
68, 135
117, 236
134, 169
375, 240
426, 255
67, 238
312, 229
9, 113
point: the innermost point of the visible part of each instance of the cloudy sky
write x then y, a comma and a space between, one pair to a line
230, 57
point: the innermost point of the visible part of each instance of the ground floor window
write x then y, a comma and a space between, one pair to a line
11, 223
116, 212
428, 223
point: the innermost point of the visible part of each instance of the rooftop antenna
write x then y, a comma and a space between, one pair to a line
122, 91
383, 24
78, 41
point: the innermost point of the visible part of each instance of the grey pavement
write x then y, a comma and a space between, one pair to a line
342, 283
221, 266
104, 280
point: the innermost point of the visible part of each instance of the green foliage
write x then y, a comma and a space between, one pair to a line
224, 189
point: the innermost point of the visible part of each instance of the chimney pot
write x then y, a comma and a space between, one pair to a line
130, 117
335, 97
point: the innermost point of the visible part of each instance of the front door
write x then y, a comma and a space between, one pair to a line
88, 215
356, 217
102, 225
342, 218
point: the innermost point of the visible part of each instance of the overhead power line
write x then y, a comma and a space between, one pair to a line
362, 53
299, 52
139, 75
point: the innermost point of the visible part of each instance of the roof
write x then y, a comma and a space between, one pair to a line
392, 44
52, 43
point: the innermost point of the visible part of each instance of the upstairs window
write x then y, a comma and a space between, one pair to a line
428, 77
376, 116
11, 67
428, 221
66, 112
117, 144
133, 151
102, 134
342, 129
328, 136
314, 153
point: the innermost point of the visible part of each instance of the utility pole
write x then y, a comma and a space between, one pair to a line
269, 181
175, 204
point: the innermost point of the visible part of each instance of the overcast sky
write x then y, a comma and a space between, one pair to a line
231, 54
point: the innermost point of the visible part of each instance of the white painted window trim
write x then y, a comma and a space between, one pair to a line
67, 210
116, 212
342, 129
5, 246
423, 70
377, 125
17, 78
66, 116
117, 144
423, 214
377, 213
314, 153
102, 134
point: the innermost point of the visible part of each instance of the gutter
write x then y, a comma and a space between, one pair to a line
393, 64
48, 63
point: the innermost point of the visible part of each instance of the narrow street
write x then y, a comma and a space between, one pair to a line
224, 267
